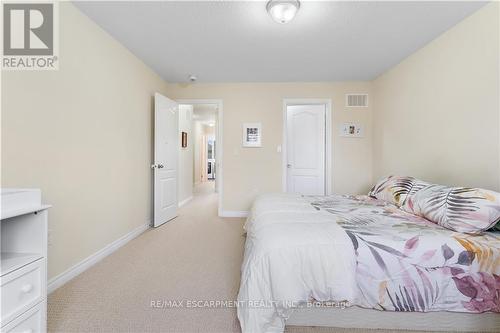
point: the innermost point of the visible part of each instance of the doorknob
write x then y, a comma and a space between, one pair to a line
159, 166
288, 166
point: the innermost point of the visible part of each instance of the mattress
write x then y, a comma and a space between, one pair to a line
356, 250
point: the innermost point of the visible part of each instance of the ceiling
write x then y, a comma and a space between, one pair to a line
237, 41
206, 113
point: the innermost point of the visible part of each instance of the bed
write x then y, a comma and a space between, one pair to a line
325, 260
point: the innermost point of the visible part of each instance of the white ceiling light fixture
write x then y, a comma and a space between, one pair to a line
283, 11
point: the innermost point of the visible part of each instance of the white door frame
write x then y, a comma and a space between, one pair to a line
328, 138
218, 140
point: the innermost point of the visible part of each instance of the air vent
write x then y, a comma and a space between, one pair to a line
356, 100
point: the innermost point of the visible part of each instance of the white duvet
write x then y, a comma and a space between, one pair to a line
293, 254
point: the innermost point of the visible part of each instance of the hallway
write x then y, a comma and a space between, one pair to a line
205, 189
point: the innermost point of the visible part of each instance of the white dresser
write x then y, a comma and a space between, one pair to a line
23, 261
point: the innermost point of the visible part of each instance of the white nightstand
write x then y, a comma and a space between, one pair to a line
23, 264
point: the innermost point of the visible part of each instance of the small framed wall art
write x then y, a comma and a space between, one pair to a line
351, 130
252, 135
184, 140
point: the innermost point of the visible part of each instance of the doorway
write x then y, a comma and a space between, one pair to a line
307, 146
205, 155
208, 164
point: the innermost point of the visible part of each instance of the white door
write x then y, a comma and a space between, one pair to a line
166, 149
305, 149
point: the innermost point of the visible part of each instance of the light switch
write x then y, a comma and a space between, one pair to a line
278, 149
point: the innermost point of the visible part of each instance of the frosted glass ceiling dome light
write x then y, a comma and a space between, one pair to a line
283, 11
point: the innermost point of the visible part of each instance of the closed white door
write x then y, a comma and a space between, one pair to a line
166, 150
305, 148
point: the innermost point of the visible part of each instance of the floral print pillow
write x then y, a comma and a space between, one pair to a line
462, 209
393, 189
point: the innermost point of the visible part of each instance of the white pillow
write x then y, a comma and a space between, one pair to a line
462, 209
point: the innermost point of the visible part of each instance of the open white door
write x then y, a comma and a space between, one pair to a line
166, 150
305, 147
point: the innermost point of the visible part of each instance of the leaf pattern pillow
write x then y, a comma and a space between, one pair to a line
462, 209
393, 189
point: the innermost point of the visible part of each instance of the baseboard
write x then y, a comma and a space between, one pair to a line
185, 201
233, 213
72, 272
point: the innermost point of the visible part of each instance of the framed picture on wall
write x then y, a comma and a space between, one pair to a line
184, 140
252, 135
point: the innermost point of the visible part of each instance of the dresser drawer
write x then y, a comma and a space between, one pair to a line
22, 289
32, 321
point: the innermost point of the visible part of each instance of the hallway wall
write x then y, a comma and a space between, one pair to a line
186, 155
197, 139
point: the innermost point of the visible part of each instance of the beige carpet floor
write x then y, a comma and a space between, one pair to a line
196, 256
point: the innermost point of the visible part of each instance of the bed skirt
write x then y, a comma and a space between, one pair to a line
356, 317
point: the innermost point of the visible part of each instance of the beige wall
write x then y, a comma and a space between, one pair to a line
185, 180
437, 112
83, 135
209, 131
248, 172
197, 141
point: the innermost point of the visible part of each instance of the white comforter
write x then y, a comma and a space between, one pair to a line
293, 253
